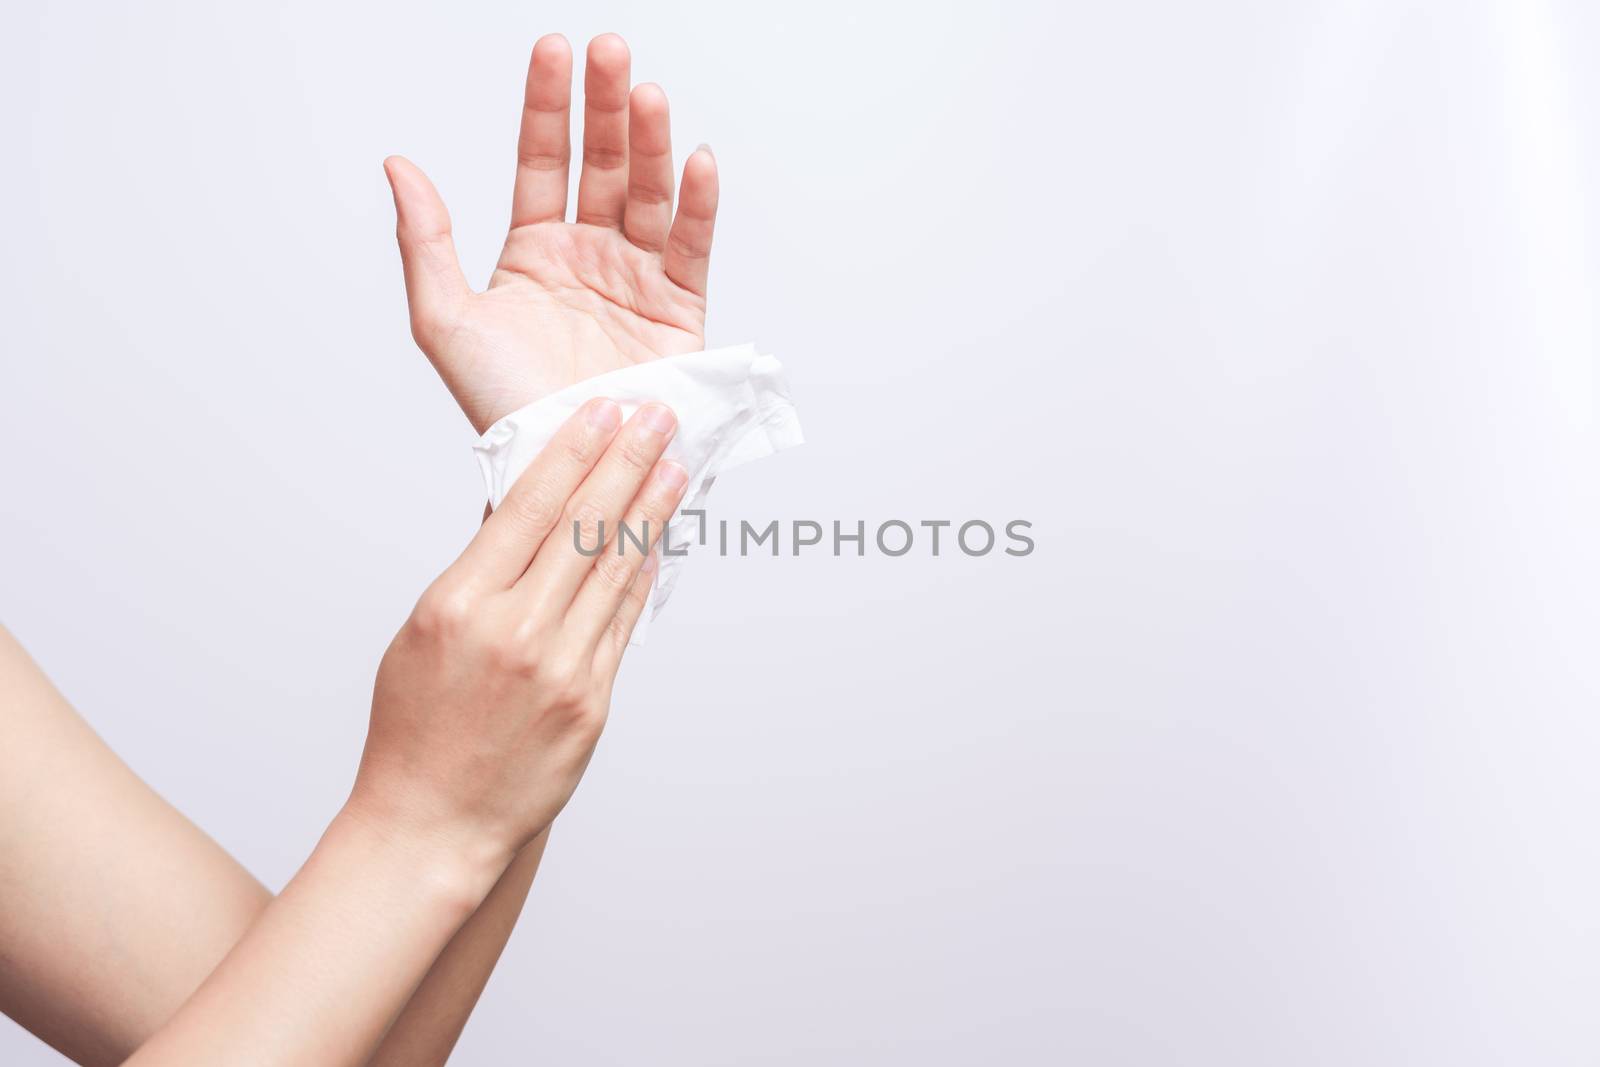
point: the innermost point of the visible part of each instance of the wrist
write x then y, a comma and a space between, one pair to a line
452, 866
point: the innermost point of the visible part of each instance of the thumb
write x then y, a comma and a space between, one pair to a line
435, 286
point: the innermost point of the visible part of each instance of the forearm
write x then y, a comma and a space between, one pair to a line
428, 1028
114, 907
330, 963
485, 713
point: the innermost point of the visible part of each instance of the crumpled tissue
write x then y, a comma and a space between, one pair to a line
733, 406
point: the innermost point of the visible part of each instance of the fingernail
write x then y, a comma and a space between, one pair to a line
649, 564
658, 417
605, 415
707, 150
672, 474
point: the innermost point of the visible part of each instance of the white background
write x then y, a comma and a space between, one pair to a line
1276, 320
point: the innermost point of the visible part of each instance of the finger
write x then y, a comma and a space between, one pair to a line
648, 213
544, 145
511, 536
435, 286
614, 642
589, 521
603, 181
688, 256
601, 595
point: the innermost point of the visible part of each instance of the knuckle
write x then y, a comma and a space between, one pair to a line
543, 161
615, 570
649, 195
586, 713
659, 505
534, 504
574, 698
686, 248
513, 653
567, 686
584, 517
444, 610
579, 452
527, 634
540, 105
591, 720
640, 451
604, 157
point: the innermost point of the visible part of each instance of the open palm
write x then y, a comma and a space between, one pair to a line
624, 283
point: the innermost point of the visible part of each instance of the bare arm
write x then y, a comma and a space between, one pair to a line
487, 708
432, 1021
114, 907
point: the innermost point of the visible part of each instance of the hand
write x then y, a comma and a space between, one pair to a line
623, 284
492, 696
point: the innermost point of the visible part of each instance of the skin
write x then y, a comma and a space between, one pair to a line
487, 708
624, 283
123, 927
113, 906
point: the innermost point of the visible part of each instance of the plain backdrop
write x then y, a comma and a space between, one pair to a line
1276, 320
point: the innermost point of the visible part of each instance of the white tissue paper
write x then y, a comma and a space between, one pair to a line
732, 405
